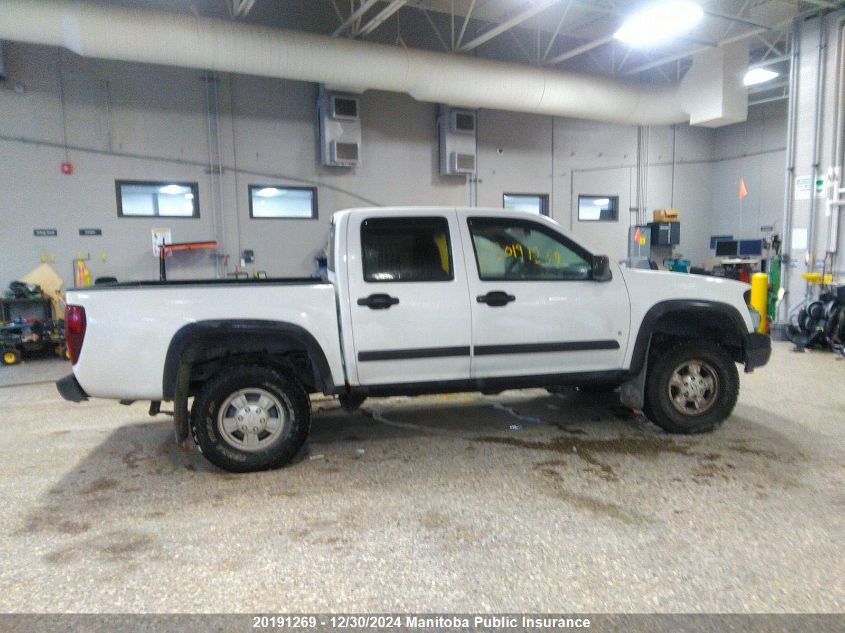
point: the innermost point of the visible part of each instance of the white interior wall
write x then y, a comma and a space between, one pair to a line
146, 122
755, 151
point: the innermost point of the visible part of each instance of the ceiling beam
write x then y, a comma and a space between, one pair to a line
823, 4
734, 18
466, 22
354, 16
771, 61
768, 100
557, 29
753, 90
719, 44
239, 8
517, 19
738, 14
381, 16
580, 50
436, 30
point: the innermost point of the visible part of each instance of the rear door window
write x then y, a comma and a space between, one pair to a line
406, 249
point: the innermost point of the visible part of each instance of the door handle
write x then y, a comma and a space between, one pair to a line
495, 299
378, 301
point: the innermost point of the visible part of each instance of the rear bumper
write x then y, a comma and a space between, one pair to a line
70, 389
758, 349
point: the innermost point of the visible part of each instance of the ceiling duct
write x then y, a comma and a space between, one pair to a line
180, 39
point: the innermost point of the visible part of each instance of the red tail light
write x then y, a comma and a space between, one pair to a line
74, 331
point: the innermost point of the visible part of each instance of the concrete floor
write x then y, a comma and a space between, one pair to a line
434, 504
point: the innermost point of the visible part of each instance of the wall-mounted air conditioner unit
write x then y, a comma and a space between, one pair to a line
343, 107
461, 163
462, 122
344, 153
340, 129
456, 133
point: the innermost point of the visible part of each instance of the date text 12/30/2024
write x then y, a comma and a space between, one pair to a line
420, 622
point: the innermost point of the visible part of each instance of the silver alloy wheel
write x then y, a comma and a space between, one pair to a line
252, 419
693, 387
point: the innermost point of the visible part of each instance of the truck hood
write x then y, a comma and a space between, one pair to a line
648, 287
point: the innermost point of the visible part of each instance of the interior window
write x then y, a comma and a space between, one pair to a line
520, 250
532, 202
598, 208
138, 199
271, 201
406, 249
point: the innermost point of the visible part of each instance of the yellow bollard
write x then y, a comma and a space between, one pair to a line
759, 297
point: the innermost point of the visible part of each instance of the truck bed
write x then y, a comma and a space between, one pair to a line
206, 282
132, 325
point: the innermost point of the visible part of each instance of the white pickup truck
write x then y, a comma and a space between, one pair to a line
419, 300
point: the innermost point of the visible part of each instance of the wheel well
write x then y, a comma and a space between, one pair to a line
294, 363
713, 326
201, 349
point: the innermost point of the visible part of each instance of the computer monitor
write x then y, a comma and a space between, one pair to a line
718, 238
751, 248
727, 248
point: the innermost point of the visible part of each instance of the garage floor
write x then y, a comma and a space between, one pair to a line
434, 504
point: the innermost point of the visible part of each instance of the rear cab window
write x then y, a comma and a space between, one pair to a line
409, 249
508, 249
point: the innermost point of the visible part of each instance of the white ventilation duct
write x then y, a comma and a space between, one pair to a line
177, 39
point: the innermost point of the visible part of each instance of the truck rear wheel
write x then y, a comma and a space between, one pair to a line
691, 388
249, 418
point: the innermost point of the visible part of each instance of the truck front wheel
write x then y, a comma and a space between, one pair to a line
249, 418
691, 388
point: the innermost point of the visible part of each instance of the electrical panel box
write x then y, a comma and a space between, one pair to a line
340, 129
456, 135
665, 233
639, 242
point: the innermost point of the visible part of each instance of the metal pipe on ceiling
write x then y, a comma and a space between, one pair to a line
180, 39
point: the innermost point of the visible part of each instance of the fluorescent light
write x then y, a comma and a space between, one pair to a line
173, 189
758, 76
659, 22
267, 192
600, 202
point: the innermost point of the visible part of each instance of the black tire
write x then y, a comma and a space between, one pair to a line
718, 370
10, 356
211, 438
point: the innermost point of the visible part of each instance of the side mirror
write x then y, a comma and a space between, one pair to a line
601, 268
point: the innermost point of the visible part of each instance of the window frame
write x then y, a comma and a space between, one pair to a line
194, 186
595, 195
408, 281
544, 201
314, 205
549, 232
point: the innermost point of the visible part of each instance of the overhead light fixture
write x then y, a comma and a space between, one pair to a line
173, 189
600, 202
659, 23
267, 192
758, 76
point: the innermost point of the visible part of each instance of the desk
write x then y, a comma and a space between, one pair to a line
740, 268
739, 261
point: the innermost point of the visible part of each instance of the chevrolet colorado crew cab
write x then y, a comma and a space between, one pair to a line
418, 300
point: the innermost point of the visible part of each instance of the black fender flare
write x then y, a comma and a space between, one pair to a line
693, 309
198, 340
